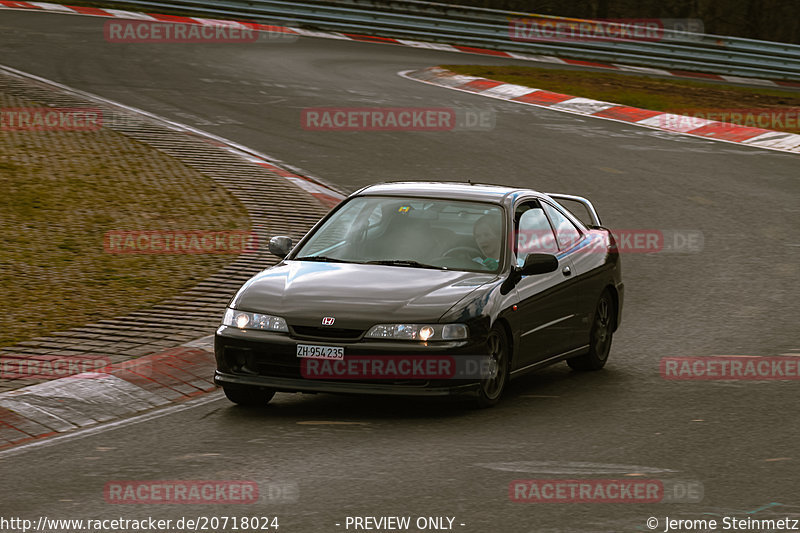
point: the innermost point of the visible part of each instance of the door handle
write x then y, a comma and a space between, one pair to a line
566, 271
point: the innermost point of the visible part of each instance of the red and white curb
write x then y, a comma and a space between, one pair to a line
695, 126
118, 13
111, 393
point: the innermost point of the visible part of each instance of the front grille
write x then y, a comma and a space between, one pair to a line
327, 333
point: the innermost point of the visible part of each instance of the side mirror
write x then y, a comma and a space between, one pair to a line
539, 264
280, 246
534, 264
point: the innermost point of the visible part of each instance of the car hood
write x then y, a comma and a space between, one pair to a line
356, 295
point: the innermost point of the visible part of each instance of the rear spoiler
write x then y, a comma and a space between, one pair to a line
581, 200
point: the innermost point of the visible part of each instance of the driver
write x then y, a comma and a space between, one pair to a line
487, 233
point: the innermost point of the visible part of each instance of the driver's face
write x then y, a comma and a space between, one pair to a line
488, 240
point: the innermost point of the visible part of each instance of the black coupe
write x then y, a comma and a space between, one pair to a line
423, 288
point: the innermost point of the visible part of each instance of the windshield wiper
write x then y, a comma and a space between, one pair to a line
404, 262
321, 259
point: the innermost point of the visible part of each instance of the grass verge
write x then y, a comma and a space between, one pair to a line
61, 192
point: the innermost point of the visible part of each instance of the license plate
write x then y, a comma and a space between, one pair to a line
315, 351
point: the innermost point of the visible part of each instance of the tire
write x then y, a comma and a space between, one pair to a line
249, 396
491, 389
600, 336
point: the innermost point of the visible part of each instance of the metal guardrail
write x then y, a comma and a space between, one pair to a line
490, 28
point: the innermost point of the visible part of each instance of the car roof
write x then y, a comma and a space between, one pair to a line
444, 189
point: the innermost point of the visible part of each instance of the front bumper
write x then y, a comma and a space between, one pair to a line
342, 387
267, 359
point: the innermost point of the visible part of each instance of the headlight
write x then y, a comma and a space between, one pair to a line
246, 320
418, 332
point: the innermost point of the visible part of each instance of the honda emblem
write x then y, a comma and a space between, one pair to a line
328, 320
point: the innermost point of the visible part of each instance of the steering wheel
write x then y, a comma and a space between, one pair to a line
458, 257
463, 251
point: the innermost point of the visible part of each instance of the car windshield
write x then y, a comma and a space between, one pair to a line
411, 232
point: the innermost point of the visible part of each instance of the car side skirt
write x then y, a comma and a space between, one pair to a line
549, 361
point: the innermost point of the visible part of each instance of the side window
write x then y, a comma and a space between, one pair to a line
533, 232
566, 232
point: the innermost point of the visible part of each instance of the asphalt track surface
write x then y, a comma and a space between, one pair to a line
354, 457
